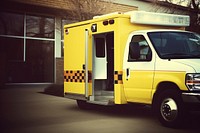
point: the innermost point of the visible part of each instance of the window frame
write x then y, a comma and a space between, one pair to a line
25, 37
149, 50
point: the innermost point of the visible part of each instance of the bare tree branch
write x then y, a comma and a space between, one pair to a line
192, 9
86, 9
195, 4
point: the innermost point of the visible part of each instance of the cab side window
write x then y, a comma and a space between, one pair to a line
139, 49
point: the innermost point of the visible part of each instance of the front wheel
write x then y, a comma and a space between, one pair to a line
170, 110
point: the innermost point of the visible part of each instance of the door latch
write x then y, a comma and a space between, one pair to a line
127, 73
83, 66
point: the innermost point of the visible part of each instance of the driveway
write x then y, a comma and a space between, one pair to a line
29, 109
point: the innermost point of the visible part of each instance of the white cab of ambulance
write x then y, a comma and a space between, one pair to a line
135, 57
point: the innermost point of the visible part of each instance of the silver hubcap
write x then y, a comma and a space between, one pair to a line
169, 109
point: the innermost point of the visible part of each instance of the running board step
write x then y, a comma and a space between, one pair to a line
103, 98
110, 102
104, 93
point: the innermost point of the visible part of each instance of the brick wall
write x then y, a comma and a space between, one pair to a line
67, 5
61, 4
59, 71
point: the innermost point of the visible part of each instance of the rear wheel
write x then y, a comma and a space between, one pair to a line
169, 109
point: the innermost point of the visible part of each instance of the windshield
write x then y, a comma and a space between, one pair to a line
176, 45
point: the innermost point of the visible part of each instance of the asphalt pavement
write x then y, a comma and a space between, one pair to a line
42, 109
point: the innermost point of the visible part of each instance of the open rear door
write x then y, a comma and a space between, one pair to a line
103, 68
76, 63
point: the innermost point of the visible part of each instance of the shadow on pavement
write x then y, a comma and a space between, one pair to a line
135, 111
55, 90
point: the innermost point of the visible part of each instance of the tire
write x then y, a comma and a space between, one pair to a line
83, 104
170, 109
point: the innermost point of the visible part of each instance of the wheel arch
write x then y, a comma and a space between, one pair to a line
164, 86
165, 92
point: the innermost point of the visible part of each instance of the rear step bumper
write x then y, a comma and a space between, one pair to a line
102, 102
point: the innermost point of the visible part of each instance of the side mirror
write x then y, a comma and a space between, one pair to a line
134, 51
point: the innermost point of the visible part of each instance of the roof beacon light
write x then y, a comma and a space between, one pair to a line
142, 17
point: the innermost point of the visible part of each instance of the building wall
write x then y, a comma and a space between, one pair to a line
68, 5
59, 71
151, 6
142, 5
57, 10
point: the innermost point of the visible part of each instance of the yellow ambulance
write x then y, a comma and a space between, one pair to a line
134, 57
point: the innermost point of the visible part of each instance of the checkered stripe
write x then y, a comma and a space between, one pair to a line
118, 77
76, 76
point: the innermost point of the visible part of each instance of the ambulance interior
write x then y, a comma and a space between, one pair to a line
103, 66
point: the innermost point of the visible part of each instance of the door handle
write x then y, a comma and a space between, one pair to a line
127, 73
